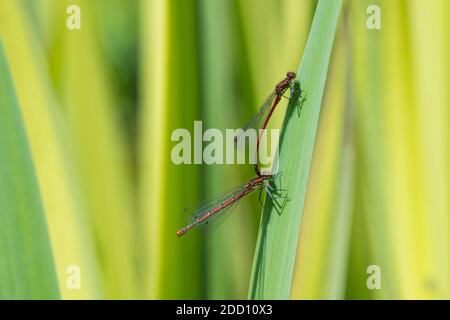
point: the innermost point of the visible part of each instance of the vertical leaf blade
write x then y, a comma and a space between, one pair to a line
50, 145
170, 100
26, 263
277, 240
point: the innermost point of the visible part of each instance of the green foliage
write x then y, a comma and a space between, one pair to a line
277, 241
26, 265
368, 180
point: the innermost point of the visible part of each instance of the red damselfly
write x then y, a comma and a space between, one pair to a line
261, 119
212, 210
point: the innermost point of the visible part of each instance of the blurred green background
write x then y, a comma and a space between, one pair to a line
99, 105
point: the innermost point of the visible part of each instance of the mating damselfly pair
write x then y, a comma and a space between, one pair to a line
212, 210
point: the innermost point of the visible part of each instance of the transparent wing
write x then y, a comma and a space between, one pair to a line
217, 219
258, 119
209, 204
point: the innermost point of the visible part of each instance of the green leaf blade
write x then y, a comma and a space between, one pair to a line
26, 263
278, 236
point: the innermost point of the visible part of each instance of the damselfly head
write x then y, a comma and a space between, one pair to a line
290, 75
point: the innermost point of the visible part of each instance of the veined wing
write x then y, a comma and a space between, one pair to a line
258, 119
207, 205
210, 204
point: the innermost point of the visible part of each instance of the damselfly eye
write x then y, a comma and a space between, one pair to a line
290, 75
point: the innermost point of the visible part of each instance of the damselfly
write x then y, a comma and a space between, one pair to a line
261, 119
210, 211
